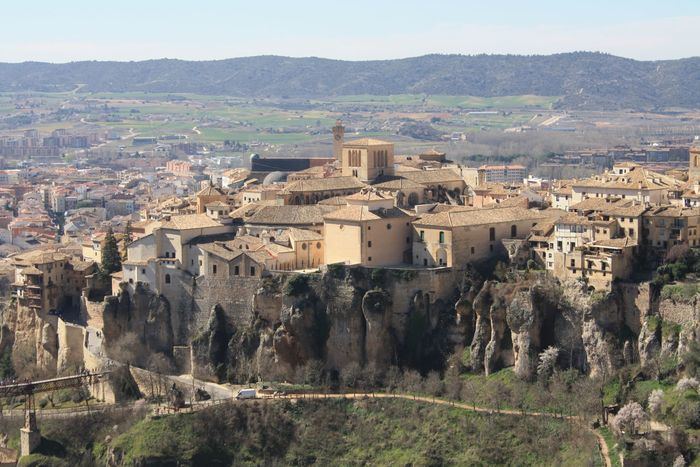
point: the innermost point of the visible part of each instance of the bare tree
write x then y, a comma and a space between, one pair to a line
433, 385
469, 392
351, 374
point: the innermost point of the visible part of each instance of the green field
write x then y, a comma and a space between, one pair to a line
467, 102
270, 121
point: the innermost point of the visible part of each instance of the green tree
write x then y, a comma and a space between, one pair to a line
111, 261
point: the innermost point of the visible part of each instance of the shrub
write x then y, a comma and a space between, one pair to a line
297, 285
683, 293
687, 411
378, 277
686, 384
336, 270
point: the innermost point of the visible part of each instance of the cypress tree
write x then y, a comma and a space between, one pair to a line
111, 262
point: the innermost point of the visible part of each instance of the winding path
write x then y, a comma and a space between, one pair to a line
432, 400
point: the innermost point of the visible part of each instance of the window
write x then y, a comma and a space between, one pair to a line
213, 269
442, 237
422, 235
425, 262
492, 234
236, 270
369, 227
388, 226
408, 240
513, 231
491, 248
369, 244
143, 270
252, 270
303, 246
472, 250
167, 278
369, 258
573, 262
318, 245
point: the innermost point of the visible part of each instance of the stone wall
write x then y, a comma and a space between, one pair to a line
71, 339
234, 295
679, 312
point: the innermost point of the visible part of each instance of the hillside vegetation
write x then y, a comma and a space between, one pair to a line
583, 79
342, 432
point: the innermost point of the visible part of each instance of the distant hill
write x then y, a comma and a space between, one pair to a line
583, 79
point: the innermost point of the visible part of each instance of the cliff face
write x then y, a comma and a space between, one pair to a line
31, 339
285, 326
332, 321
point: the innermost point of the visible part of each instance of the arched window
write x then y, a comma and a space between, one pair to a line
167, 278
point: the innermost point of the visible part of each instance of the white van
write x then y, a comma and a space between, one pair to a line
246, 394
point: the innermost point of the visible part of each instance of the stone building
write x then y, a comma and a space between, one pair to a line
50, 281
456, 237
367, 159
369, 231
627, 181
314, 190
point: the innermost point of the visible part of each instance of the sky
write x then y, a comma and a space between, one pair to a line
73, 30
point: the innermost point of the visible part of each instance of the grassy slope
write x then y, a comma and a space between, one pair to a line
344, 432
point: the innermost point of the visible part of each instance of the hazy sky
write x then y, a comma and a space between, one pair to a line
68, 30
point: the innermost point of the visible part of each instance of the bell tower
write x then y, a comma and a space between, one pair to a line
338, 136
694, 165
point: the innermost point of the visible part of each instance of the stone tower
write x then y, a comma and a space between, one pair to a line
338, 137
694, 165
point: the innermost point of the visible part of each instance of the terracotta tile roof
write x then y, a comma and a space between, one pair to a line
324, 184
366, 142
32, 271
600, 204
362, 213
470, 217
299, 235
398, 183
190, 221
210, 190
430, 177
290, 215
616, 243
636, 178
575, 219
369, 195
672, 211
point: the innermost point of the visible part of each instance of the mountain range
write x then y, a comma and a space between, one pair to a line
585, 80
